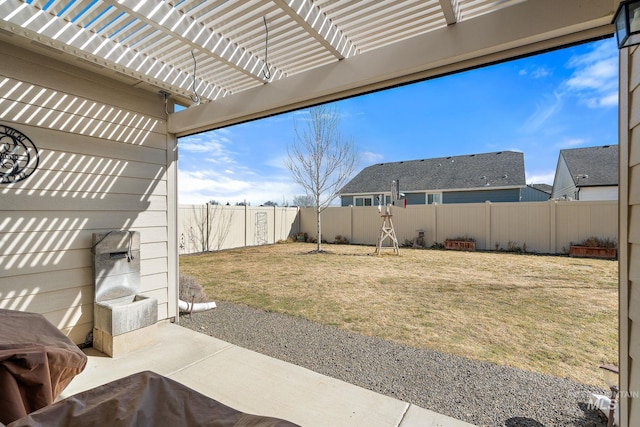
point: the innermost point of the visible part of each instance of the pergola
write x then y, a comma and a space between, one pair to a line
248, 59
229, 61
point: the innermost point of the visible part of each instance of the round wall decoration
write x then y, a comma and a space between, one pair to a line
18, 156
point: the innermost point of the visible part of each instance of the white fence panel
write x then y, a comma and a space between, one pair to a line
214, 227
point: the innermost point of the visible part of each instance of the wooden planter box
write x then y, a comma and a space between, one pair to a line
459, 245
592, 252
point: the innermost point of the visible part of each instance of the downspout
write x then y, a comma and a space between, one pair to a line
187, 307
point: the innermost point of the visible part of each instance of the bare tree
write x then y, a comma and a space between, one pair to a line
321, 160
212, 223
304, 201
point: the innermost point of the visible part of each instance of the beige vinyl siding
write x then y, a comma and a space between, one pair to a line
103, 166
629, 198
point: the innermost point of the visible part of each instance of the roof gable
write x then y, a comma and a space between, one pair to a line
592, 166
487, 170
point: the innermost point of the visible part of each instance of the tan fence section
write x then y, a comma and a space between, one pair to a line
215, 227
541, 227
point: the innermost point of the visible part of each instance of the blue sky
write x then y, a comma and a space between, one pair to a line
537, 105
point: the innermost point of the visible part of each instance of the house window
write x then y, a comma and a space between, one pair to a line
364, 201
433, 198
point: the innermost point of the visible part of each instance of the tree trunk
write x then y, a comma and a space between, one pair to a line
318, 229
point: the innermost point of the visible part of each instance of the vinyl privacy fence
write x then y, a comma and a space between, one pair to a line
203, 228
541, 227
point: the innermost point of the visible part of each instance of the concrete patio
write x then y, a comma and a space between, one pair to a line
257, 384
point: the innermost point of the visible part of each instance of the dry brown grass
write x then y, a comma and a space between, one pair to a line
550, 314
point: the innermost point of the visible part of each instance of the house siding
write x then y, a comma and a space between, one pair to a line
507, 195
346, 200
106, 162
474, 196
529, 194
416, 198
629, 248
563, 185
598, 193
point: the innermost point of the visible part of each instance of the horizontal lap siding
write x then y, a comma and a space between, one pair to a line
507, 195
103, 166
629, 196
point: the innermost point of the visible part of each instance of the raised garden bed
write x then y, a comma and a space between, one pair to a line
594, 247
592, 252
460, 245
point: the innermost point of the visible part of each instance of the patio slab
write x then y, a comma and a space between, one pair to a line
255, 383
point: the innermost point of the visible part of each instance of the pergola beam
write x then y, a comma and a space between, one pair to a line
311, 18
450, 9
525, 28
189, 31
86, 45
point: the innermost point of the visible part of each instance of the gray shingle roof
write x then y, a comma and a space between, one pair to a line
542, 187
599, 163
501, 169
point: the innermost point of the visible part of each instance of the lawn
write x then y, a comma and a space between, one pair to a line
550, 314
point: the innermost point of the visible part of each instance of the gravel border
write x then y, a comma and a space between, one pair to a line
477, 392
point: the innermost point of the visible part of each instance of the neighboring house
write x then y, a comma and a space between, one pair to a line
587, 174
536, 193
473, 178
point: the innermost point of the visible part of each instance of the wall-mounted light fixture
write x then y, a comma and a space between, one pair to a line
580, 176
627, 22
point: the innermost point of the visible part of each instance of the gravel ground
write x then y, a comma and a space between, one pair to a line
477, 392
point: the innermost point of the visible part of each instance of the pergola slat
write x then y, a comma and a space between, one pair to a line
220, 47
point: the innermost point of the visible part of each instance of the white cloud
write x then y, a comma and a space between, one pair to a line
540, 72
277, 161
593, 82
543, 113
541, 177
211, 146
572, 143
536, 73
202, 186
368, 157
595, 76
